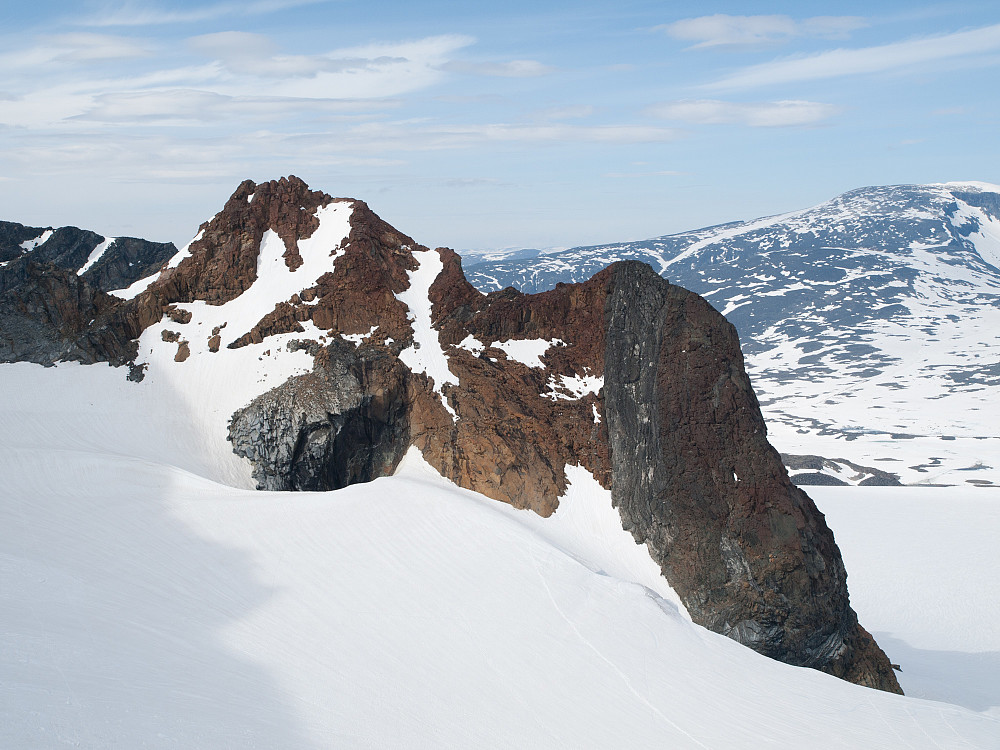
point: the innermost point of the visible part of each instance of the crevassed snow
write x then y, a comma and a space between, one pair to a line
527, 351
41, 239
96, 253
148, 606
425, 353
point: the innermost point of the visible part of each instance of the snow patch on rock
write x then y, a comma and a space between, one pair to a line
425, 354
95, 254
29, 245
527, 351
573, 387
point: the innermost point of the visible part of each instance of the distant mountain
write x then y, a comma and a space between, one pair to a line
54, 291
106, 263
870, 324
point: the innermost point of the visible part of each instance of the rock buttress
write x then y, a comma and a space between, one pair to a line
694, 477
343, 423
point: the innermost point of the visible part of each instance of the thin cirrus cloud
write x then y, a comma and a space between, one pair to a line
192, 106
65, 79
754, 114
509, 69
144, 14
244, 53
721, 30
408, 136
883, 58
86, 47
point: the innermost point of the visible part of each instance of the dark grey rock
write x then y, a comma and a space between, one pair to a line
817, 479
343, 423
694, 477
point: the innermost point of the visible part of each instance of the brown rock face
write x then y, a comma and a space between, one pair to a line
639, 381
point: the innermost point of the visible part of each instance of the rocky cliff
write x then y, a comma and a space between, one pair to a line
54, 293
639, 381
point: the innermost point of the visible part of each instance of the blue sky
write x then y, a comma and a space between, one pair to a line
528, 124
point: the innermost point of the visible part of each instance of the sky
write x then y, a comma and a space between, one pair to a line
485, 126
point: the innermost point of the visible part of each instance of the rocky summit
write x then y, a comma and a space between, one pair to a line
637, 380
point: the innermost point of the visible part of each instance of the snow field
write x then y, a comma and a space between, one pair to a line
922, 565
145, 605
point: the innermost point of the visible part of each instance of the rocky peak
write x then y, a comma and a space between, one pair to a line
637, 380
221, 262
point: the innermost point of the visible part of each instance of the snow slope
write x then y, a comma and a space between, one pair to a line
146, 604
922, 564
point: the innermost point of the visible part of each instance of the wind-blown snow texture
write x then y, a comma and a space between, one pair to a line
147, 604
870, 324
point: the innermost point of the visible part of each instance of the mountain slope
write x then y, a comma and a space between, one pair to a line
147, 605
869, 323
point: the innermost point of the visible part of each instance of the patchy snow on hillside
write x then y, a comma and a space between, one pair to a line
573, 387
146, 604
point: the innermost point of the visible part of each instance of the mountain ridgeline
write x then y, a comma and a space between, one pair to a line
638, 380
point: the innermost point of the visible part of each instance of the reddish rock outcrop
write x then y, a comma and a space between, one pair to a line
639, 381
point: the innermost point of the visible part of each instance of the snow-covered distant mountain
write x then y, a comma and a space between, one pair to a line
870, 325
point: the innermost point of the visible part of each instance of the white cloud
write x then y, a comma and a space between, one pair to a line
557, 133
511, 69
724, 30
754, 114
404, 136
47, 85
844, 62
